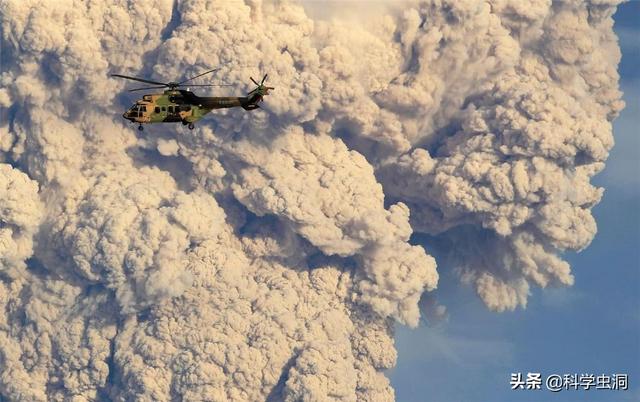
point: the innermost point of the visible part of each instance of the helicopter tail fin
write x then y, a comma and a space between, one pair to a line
251, 102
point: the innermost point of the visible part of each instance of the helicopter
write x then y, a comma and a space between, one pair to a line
178, 105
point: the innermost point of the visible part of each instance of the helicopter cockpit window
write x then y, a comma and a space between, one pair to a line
143, 108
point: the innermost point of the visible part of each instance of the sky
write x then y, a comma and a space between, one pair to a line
592, 327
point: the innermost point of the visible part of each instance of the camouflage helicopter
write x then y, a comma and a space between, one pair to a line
178, 105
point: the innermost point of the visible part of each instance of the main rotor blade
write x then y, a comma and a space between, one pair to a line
254, 81
199, 75
263, 78
143, 88
208, 85
139, 79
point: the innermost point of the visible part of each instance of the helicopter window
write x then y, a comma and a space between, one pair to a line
146, 97
164, 109
157, 109
143, 108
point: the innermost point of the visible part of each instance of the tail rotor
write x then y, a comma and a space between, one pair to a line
260, 90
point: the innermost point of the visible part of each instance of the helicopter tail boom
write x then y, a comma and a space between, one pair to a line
224, 102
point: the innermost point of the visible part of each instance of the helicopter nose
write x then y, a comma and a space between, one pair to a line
127, 115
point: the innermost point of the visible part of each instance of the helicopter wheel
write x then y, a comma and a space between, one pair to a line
140, 128
191, 126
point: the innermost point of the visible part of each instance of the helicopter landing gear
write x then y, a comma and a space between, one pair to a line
191, 126
140, 128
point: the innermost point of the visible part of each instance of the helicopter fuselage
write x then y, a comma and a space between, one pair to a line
183, 106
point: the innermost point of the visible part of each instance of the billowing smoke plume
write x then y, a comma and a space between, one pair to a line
267, 255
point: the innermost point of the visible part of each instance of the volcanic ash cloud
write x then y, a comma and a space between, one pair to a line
266, 255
